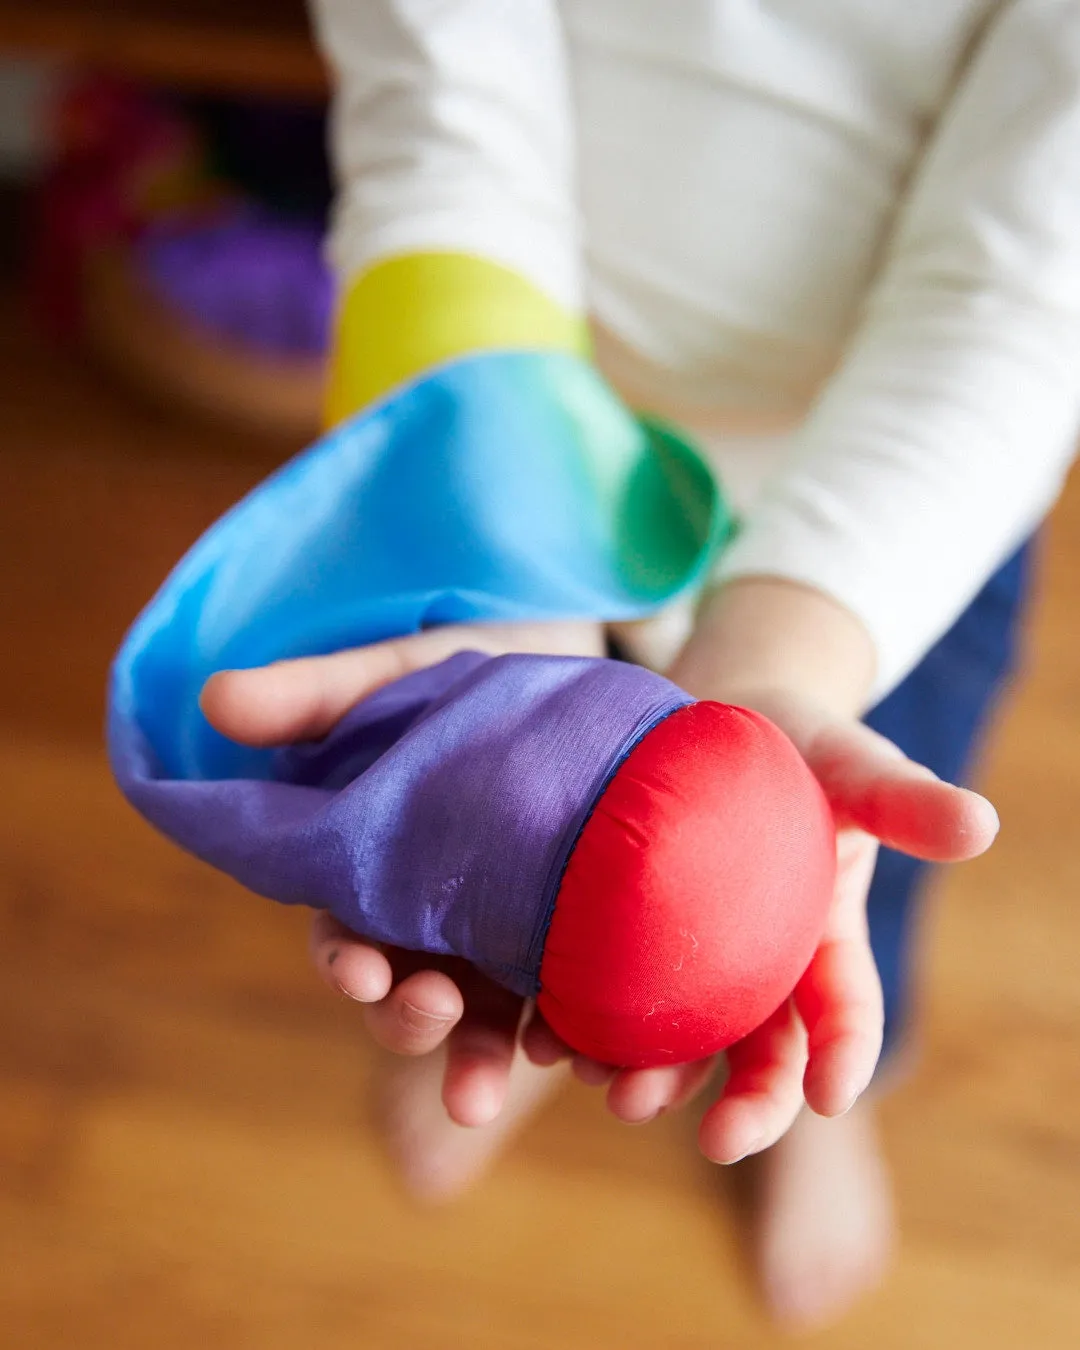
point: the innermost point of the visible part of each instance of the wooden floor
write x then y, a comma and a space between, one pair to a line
185, 1155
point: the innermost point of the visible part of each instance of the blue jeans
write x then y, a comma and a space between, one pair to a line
937, 717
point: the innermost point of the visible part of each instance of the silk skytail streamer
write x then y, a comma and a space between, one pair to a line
654, 870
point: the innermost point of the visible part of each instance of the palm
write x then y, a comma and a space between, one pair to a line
413, 1003
821, 1047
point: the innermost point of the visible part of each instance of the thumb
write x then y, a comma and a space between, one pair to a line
302, 700
873, 785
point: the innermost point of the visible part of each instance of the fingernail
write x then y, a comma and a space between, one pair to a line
856, 1088
991, 812
356, 998
370, 995
755, 1146
645, 1120
848, 1092
419, 1020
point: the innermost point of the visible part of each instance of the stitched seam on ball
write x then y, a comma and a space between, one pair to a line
558, 872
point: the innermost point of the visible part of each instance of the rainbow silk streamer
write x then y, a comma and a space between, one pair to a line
508, 485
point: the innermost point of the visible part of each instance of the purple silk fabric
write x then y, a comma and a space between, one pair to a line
246, 276
438, 815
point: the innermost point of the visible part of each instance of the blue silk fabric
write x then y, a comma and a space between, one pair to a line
438, 815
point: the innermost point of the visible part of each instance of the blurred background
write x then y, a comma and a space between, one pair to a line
186, 1151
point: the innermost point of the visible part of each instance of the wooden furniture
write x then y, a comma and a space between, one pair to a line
227, 46
242, 47
180, 366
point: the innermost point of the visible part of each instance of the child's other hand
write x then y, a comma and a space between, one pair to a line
822, 1047
412, 1002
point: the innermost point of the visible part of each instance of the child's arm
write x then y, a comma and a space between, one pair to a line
941, 440
937, 447
455, 227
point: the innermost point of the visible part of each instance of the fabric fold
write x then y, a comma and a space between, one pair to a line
504, 486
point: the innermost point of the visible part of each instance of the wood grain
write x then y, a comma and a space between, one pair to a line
185, 1152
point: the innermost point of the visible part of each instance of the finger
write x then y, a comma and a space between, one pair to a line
303, 699
480, 1054
637, 1096
347, 963
871, 784
693, 1079
839, 997
931, 820
763, 1094
592, 1072
541, 1045
417, 1015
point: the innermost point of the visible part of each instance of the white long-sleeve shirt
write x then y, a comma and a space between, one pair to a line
870, 208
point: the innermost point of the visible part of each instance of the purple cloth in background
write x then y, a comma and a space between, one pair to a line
438, 815
247, 277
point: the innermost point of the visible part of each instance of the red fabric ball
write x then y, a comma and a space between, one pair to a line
695, 895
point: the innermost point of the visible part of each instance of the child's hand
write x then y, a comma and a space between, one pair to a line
822, 1048
413, 1002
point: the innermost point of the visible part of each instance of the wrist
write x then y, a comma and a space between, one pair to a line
762, 639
